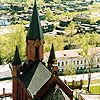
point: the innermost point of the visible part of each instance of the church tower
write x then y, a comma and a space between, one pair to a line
34, 39
52, 58
15, 73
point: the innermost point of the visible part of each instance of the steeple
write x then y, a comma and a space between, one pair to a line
52, 57
34, 39
16, 60
15, 74
35, 31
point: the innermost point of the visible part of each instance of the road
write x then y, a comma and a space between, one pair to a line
79, 77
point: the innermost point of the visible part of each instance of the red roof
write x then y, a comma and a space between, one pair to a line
72, 53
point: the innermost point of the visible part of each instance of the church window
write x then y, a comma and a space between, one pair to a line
36, 52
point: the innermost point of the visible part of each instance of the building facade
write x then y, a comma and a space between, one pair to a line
74, 58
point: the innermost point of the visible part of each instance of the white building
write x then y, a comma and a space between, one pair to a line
73, 57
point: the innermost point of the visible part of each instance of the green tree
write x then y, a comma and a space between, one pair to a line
16, 36
49, 15
57, 40
70, 69
89, 55
70, 31
40, 3
57, 1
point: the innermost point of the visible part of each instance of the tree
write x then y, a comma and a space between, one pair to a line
57, 40
16, 36
57, 1
70, 69
40, 3
89, 55
49, 15
70, 31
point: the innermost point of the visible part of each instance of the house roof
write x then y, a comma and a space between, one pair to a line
93, 51
64, 54
35, 77
35, 30
65, 19
71, 53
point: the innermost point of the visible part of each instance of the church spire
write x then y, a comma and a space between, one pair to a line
15, 73
52, 57
16, 60
34, 39
35, 31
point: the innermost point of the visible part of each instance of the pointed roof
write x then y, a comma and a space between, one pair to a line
35, 77
54, 80
35, 31
16, 60
52, 55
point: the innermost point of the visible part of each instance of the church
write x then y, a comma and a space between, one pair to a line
33, 80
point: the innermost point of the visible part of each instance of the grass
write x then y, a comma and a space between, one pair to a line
85, 82
95, 89
96, 81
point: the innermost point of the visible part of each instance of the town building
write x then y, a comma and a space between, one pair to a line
69, 57
5, 20
85, 96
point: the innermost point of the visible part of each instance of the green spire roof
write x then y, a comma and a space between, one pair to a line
16, 60
52, 55
35, 31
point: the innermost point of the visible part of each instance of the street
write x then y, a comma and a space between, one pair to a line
78, 77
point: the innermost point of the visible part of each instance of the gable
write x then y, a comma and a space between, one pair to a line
54, 81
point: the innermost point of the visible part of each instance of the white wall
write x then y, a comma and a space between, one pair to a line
79, 62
